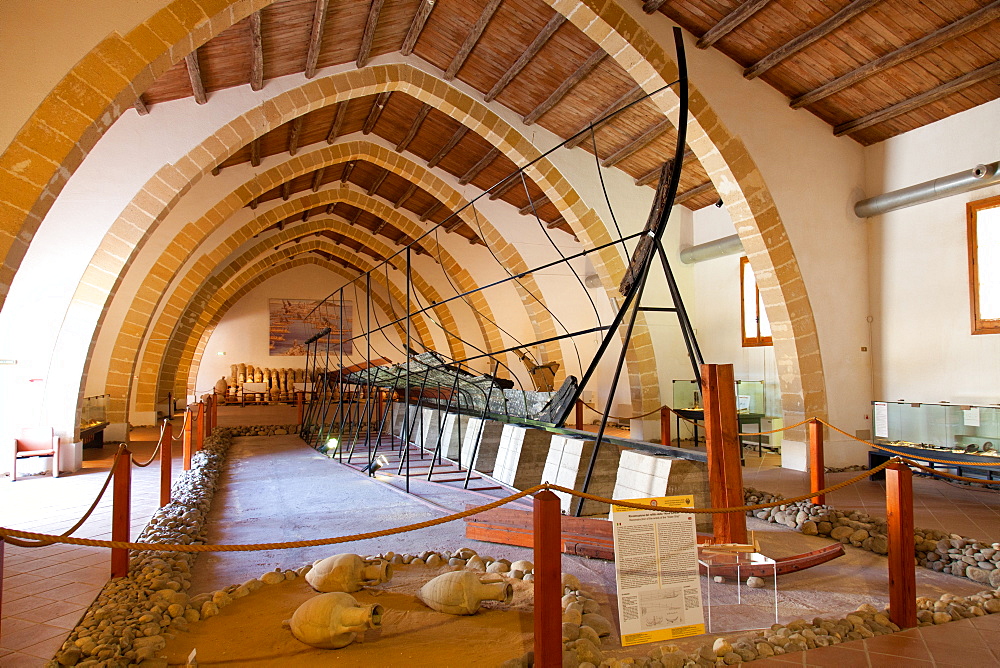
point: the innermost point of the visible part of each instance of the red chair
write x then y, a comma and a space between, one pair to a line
37, 442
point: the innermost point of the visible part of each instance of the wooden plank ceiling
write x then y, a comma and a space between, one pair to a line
872, 69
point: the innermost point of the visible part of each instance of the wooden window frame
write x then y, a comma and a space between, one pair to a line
750, 341
979, 324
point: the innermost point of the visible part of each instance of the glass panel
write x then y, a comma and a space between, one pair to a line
749, 301
988, 262
765, 326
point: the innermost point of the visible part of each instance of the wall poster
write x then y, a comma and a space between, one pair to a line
292, 321
656, 564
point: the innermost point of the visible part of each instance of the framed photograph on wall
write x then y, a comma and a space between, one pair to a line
293, 321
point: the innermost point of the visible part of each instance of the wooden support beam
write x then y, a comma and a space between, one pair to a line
637, 144
650, 6
530, 208
194, 76
379, 180
430, 211
254, 203
414, 128
316, 37
971, 22
140, 106
286, 190
526, 56
377, 107
470, 40
255, 152
817, 469
899, 517
338, 120
600, 120
443, 151
818, 32
348, 168
725, 475
188, 443
305, 215
364, 52
294, 133
565, 87
378, 226
453, 224
356, 217
508, 184
330, 208
417, 26
216, 170
936, 93
664, 425
480, 165
694, 192
256, 53
654, 175
405, 196
318, 178
730, 22
552, 224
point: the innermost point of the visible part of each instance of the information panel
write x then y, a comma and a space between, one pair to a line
656, 563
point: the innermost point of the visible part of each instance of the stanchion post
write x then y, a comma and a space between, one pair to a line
664, 425
199, 440
817, 469
188, 438
121, 513
300, 404
579, 414
166, 454
170, 405
548, 581
722, 441
902, 571
2, 543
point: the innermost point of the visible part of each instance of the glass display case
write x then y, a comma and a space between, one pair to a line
750, 397
686, 395
93, 420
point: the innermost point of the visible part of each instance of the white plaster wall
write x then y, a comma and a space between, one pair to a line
921, 329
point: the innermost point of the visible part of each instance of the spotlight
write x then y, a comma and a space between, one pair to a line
330, 448
719, 203
376, 464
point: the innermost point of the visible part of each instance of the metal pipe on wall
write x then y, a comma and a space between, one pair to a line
710, 250
979, 176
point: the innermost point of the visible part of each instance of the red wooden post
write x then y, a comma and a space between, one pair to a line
2, 543
817, 469
199, 434
579, 415
548, 581
166, 448
664, 425
902, 575
121, 513
215, 411
725, 475
188, 438
170, 404
300, 404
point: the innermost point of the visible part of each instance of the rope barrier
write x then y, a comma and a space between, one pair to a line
945, 474
43, 540
775, 431
903, 455
156, 451
180, 433
631, 417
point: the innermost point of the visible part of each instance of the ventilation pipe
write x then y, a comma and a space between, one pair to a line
979, 176
710, 250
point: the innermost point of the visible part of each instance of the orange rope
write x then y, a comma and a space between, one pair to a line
631, 417
945, 474
156, 451
903, 455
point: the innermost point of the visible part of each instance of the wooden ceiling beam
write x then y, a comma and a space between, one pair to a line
356, 217
294, 134
405, 196
255, 152
552, 224
347, 171
256, 53
364, 52
602, 118
378, 226
730, 22
377, 107
526, 56
140, 106
194, 76
338, 121
330, 208
254, 203
651, 6
818, 32
414, 128
379, 180
305, 215
471, 39
453, 225
286, 190
565, 87
480, 165
530, 208
318, 178
693, 192
906, 52
417, 26
316, 37
936, 93
637, 144
654, 175
443, 151
430, 211
508, 184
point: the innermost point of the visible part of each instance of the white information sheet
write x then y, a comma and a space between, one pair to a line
881, 419
656, 563
971, 416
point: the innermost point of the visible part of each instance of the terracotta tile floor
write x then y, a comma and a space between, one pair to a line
46, 590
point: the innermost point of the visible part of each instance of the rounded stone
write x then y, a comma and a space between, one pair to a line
755, 582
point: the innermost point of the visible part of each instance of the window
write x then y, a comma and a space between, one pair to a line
756, 328
984, 264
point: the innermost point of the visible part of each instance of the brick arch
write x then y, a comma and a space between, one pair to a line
179, 361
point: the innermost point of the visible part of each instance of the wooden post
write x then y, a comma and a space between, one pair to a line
170, 405
725, 475
664, 425
166, 453
199, 434
188, 438
300, 404
121, 513
817, 469
902, 575
2, 543
548, 581
579, 414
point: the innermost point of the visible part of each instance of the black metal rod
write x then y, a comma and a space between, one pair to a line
447, 411
694, 352
482, 430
